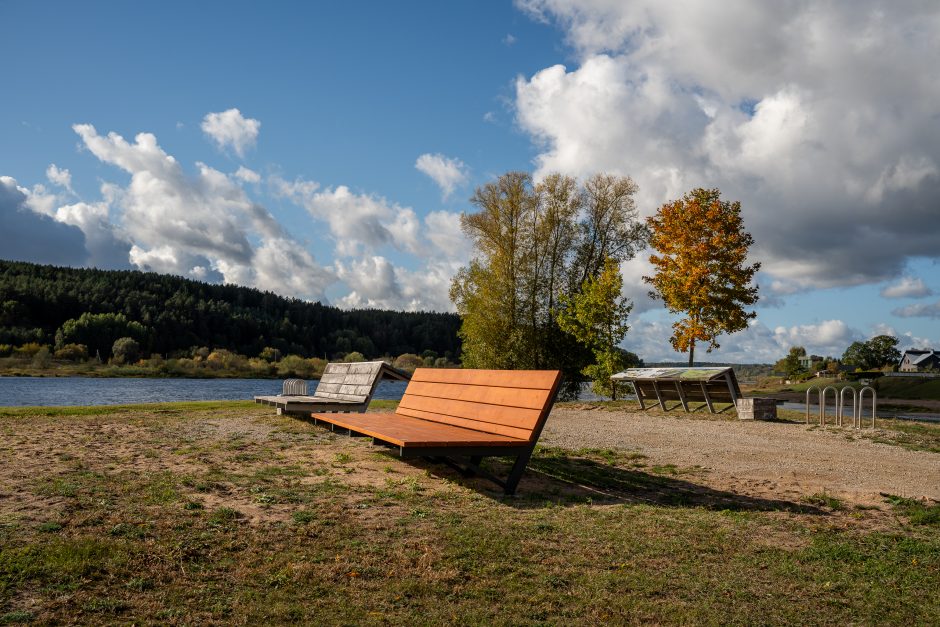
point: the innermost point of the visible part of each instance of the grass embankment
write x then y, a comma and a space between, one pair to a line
224, 512
908, 388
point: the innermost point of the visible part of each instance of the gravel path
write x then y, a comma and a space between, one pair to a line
779, 460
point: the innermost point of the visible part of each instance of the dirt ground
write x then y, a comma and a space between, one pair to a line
253, 461
765, 459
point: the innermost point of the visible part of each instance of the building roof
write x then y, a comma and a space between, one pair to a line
920, 356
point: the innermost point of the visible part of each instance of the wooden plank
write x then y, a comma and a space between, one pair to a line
533, 379
685, 404
495, 414
510, 397
467, 423
336, 368
708, 399
413, 432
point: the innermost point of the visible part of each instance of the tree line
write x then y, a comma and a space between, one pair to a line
170, 315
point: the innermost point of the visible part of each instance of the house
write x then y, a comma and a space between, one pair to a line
920, 361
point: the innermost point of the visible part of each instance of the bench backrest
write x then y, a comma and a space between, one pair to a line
515, 403
354, 382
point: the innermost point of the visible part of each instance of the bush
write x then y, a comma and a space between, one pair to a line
126, 350
27, 350
72, 352
268, 354
222, 359
42, 358
5, 350
354, 356
408, 361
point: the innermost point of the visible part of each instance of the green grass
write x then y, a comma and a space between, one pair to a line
313, 528
908, 388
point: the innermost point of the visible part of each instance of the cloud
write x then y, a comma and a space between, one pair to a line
756, 344
230, 129
509, 39
821, 120
907, 287
246, 175
376, 282
447, 173
26, 235
919, 310
361, 225
62, 178
202, 226
108, 247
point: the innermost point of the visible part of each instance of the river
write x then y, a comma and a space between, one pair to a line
46, 391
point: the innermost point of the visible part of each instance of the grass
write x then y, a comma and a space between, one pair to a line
908, 387
267, 519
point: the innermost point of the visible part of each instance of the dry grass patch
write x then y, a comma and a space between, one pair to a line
234, 515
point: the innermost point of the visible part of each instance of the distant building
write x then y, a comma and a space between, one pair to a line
920, 360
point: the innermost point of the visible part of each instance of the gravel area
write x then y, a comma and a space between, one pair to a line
767, 459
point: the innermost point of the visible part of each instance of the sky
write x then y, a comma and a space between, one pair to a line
325, 151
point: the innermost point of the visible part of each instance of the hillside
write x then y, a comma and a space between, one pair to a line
178, 314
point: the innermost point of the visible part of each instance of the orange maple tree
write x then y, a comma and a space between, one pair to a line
700, 261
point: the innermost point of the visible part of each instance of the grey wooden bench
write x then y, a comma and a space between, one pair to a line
342, 388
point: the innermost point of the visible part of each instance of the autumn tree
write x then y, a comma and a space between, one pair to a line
536, 244
597, 317
700, 268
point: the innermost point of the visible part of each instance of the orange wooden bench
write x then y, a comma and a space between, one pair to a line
446, 415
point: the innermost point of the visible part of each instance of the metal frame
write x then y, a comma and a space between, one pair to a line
822, 403
874, 405
841, 408
808, 390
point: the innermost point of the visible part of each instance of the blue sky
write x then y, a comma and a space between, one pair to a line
326, 151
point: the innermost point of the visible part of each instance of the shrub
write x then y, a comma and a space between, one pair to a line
5, 350
126, 350
42, 358
27, 350
408, 361
268, 354
354, 356
72, 352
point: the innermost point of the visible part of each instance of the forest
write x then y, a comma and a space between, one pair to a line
171, 315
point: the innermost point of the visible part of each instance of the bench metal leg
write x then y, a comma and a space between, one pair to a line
516, 473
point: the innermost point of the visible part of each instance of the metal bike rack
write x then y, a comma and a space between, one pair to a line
874, 405
822, 403
808, 390
841, 408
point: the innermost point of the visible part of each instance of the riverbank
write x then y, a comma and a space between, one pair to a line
226, 512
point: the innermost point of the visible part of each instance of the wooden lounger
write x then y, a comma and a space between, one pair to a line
464, 413
342, 388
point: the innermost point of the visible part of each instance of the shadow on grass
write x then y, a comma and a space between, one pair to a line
557, 478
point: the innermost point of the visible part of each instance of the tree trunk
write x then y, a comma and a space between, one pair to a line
691, 353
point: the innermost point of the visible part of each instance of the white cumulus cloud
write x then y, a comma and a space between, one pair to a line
819, 118
230, 129
204, 226
446, 172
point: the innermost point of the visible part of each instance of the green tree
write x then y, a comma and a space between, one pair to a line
701, 272
98, 331
125, 350
537, 244
791, 363
597, 317
877, 352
